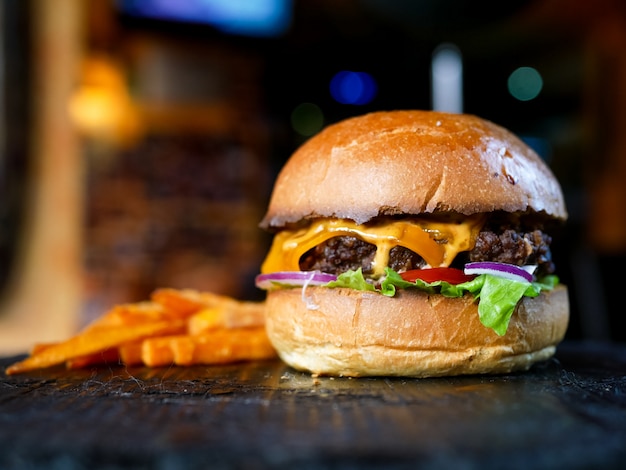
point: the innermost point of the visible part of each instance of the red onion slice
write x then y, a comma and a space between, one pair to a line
508, 271
293, 278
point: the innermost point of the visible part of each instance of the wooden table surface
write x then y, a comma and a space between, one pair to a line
569, 412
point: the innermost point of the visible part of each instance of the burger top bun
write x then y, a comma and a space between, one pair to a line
412, 162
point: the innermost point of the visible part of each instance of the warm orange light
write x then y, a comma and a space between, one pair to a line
101, 107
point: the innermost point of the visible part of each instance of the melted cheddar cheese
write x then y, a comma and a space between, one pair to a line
437, 242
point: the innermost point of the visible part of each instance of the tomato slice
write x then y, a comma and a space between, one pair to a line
450, 275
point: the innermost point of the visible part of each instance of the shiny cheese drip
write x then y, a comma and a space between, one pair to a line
437, 242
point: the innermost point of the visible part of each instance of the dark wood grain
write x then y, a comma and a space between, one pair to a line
569, 412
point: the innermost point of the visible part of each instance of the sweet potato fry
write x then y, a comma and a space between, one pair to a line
216, 347
244, 314
181, 327
185, 302
131, 313
92, 341
130, 353
231, 345
106, 356
205, 320
134, 314
37, 348
234, 314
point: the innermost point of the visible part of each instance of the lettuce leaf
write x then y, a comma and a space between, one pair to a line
496, 296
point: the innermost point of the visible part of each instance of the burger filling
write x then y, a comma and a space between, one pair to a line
513, 247
498, 258
508, 245
341, 254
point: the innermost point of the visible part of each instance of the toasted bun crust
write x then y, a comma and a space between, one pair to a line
346, 332
412, 162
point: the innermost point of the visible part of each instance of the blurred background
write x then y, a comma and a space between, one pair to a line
139, 139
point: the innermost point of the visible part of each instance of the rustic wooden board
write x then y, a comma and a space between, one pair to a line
569, 412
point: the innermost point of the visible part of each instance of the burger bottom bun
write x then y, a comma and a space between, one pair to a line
344, 332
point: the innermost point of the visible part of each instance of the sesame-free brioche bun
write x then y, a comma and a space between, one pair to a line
345, 332
412, 162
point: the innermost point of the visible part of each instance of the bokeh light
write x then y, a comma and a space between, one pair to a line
307, 119
525, 83
357, 88
447, 79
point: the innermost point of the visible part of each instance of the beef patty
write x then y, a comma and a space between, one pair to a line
507, 245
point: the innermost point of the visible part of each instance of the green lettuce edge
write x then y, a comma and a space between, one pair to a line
497, 296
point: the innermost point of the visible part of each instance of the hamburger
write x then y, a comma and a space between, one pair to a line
414, 243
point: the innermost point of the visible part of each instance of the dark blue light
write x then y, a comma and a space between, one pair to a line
357, 88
